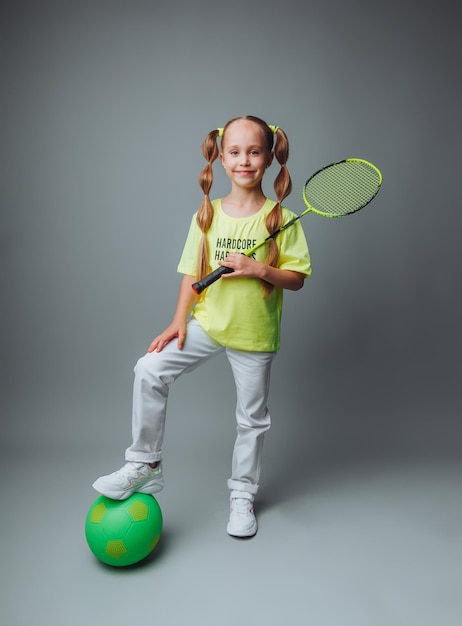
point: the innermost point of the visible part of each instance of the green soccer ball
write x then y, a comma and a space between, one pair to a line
123, 532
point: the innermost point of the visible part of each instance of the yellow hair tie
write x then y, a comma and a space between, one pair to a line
220, 132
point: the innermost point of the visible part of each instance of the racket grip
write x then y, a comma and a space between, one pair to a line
211, 278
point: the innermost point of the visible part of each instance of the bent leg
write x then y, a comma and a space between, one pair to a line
154, 373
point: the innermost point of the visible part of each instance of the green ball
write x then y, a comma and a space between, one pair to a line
123, 532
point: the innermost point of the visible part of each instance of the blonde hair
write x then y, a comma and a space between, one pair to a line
282, 188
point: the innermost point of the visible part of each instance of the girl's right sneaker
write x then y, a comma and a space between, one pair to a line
131, 478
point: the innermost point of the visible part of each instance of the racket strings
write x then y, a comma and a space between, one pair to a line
342, 188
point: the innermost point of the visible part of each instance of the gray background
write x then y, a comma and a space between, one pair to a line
104, 108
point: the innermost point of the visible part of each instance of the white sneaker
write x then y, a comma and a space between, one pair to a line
139, 477
242, 522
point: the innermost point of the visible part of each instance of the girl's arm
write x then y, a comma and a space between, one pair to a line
177, 328
245, 266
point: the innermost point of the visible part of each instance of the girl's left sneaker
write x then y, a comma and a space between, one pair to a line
242, 521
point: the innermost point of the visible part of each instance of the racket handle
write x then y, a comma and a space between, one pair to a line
211, 278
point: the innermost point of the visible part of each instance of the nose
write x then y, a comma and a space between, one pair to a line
244, 159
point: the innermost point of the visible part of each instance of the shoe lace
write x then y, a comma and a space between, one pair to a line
241, 506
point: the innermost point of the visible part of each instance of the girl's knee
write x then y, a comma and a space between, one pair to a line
145, 365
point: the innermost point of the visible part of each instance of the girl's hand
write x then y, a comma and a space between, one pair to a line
176, 329
246, 266
242, 266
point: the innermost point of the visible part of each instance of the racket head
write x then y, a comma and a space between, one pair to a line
342, 188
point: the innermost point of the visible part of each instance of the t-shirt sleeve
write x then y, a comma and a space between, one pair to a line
188, 259
293, 250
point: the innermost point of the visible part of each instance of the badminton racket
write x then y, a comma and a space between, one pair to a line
336, 190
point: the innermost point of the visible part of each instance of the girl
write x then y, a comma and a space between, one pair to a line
239, 314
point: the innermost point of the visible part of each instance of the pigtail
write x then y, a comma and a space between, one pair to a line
282, 188
205, 213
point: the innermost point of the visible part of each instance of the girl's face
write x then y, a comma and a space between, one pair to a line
245, 155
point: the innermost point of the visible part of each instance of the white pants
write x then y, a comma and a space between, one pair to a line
155, 371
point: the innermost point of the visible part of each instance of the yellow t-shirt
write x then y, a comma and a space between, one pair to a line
235, 312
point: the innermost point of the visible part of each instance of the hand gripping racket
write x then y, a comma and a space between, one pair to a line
335, 190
